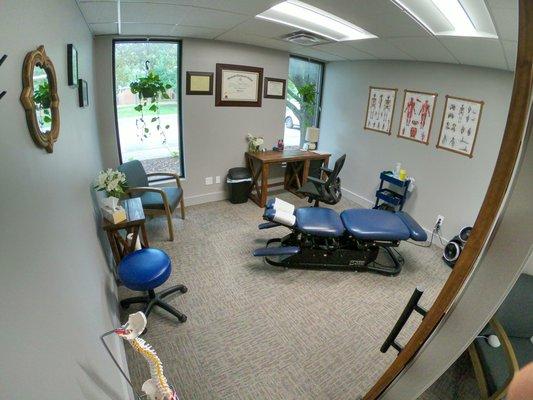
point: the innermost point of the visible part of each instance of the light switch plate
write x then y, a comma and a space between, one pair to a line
217, 179
208, 180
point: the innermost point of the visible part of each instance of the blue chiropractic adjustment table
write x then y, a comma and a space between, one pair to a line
322, 238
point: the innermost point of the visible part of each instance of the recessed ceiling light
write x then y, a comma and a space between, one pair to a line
451, 17
303, 16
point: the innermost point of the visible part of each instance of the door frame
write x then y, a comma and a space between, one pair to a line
500, 185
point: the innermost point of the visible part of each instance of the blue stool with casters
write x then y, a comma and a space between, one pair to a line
144, 270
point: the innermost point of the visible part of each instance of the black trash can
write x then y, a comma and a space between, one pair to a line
239, 181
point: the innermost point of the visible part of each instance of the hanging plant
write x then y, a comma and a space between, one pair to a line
150, 89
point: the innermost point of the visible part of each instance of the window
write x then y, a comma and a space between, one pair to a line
148, 127
304, 94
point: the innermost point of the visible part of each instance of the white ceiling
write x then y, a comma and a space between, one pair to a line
399, 36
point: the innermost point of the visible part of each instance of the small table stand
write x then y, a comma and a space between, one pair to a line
134, 223
386, 197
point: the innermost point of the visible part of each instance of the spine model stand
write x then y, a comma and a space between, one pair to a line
157, 387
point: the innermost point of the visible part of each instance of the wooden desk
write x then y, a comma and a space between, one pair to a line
134, 223
298, 163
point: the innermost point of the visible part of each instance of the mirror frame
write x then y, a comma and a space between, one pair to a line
39, 58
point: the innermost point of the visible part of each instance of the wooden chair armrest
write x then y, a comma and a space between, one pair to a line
169, 174
142, 189
510, 357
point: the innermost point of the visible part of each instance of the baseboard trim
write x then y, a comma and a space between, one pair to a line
363, 202
205, 198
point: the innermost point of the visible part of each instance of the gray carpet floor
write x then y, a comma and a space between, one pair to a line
259, 332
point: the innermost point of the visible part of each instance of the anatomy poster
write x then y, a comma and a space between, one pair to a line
417, 116
460, 124
380, 109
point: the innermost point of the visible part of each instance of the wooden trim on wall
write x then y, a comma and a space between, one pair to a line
501, 178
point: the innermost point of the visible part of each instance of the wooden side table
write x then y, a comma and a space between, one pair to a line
134, 224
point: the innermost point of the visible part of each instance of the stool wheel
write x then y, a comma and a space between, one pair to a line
182, 318
184, 289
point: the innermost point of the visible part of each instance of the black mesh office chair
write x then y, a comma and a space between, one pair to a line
328, 191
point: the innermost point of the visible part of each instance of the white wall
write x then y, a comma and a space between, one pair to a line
56, 291
214, 137
446, 183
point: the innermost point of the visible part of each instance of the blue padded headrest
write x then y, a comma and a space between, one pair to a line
417, 232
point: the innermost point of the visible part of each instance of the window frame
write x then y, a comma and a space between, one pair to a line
321, 83
179, 97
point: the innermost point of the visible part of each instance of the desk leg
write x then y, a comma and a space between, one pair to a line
114, 248
264, 184
305, 173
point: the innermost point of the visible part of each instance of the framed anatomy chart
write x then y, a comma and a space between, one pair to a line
238, 85
380, 109
460, 123
417, 116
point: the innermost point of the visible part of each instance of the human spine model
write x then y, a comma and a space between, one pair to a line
157, 387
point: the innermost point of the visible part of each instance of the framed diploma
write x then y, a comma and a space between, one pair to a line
274, 88
199, 83
238, 85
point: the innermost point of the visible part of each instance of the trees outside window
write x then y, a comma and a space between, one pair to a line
304, 90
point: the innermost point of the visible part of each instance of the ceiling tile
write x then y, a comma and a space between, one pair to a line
196, 32
510, 49
503, 4
99, 11
211, 19
349, 9
254, 40
133, 28
246, 7
506, 21
380, 48
151, 13
397, 24
311, 52
477, 51
263, 28
108, 28
344, 50
424, 49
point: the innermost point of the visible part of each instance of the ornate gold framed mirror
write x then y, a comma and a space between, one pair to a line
39, 98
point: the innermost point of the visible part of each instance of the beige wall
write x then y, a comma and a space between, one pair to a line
446, 183
56, 291
214, 137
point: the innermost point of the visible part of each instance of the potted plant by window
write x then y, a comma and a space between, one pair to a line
150, 89
114, 184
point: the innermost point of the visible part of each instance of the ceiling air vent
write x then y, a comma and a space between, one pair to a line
304, 38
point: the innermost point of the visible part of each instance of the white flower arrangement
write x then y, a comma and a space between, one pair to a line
254, 142
112, 182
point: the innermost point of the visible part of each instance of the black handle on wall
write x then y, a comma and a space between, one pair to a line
1, 62
411, 306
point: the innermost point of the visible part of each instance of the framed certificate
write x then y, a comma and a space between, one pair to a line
274, 88
238, 85
199, 83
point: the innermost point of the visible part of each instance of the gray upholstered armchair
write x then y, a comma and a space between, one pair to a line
155, 201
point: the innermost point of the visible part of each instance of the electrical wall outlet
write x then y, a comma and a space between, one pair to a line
439, 221
217, 179
208, 180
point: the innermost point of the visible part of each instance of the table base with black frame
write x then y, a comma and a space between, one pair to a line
296, 173
134, 224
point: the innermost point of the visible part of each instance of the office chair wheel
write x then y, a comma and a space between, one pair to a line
184, 290
182, 318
